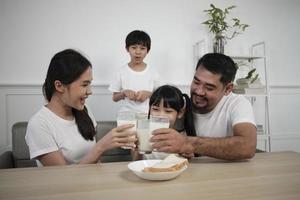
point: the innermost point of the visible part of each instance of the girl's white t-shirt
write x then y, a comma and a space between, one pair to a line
47, 132
128, 79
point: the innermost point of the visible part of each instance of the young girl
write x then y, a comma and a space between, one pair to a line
168, 101
63, 131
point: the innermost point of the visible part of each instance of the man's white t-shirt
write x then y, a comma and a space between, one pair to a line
231, 110
47, 132
128, 79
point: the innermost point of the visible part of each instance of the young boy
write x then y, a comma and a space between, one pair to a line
136, 80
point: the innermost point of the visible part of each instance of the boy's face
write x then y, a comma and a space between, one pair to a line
137, 53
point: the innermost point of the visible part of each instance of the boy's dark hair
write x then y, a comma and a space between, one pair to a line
138, 37
173, 98
67, 66
219, 64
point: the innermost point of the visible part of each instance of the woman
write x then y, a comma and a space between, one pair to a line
63, 131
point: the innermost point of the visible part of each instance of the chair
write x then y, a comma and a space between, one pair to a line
19, 156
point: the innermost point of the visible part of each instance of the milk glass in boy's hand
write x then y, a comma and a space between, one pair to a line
127, 118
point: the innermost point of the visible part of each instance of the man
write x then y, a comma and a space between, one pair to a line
224, 121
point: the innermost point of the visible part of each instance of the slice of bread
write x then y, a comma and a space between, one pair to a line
169, 164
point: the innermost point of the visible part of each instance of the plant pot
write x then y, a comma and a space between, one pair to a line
219, 44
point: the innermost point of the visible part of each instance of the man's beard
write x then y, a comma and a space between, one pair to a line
196, 101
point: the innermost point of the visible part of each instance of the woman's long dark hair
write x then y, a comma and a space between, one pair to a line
67, 66
173, 98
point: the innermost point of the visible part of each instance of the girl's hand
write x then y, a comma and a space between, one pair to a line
130, 94
120, 136
142, 95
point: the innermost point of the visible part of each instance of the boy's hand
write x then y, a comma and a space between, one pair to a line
130, 94
142, 95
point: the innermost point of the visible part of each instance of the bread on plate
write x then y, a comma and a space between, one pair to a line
171, 163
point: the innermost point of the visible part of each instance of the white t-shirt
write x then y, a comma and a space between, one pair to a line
231, 110
47, 132
128, 79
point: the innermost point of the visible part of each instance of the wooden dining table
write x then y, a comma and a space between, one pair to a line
266, 176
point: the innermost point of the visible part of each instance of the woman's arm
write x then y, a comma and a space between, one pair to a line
117, 137
52, 159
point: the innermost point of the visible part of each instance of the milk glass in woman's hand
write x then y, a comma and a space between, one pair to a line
127, 118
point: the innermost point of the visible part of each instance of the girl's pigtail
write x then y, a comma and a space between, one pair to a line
188, 118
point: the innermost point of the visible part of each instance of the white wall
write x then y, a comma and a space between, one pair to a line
32, 31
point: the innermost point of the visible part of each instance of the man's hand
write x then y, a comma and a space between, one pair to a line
170, 141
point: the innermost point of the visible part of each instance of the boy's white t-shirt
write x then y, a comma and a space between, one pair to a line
128, 79
231, 110
47, 132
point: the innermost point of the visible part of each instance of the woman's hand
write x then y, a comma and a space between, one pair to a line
120, 136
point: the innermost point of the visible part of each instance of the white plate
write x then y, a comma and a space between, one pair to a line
137, 167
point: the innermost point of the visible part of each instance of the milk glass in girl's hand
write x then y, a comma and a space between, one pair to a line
143, 134
126, 118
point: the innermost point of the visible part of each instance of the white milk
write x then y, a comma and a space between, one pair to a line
123, 122
144, 136
156, 125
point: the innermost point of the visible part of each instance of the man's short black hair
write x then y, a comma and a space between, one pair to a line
219, 64
138, 37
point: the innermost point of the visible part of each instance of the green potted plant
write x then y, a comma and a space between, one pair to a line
221, 28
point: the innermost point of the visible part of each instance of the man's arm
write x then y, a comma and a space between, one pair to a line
241, 145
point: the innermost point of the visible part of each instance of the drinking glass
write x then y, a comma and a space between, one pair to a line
157, 122
143, 134
127, 118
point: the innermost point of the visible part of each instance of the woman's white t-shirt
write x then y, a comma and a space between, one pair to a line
47, 132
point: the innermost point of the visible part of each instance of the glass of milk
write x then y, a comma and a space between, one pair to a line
126, 118
141, 115
157, 122
143, 134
